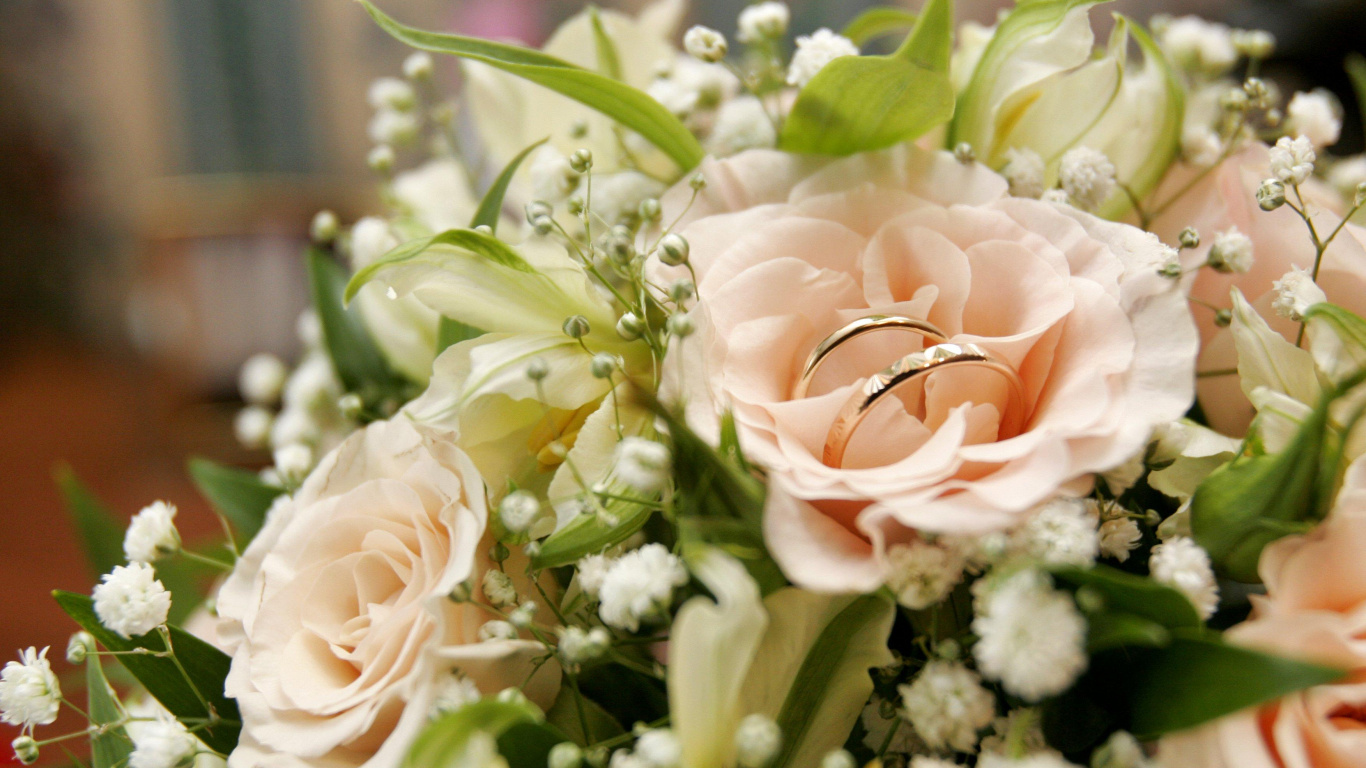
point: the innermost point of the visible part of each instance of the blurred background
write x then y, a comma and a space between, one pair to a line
160, 161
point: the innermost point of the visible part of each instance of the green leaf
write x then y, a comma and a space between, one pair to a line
608, 61
108, 748
564, 714
487, 246
1198, 679
1233, 516
876, 22
237, 494
851, 640
101, 533
1356, 71
358, 362
445, 743
588, 534
861, 103
1129, 593
206, 666
629, 106
491, 207
1108, 630
449, 332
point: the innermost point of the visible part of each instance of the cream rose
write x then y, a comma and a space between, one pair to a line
337, 615
1315, 607
788, 249
1224, 199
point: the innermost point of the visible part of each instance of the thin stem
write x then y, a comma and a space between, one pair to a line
578, 704
170, 650
206, 560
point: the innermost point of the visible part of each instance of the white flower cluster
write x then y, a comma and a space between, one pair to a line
947, 706
639, 586
29, 692
131, 601
1296, 292
1181, 563
1060, 532
921, 574
162, 742
814, 51
1292, 160
1087, 176
151, 534
1032, 637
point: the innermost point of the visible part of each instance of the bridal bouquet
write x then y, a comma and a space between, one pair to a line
731, 404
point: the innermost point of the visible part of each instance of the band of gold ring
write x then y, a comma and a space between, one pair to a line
909, 368
857, 328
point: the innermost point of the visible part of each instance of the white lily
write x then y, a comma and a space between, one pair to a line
510, 113
1038, 86
738, 655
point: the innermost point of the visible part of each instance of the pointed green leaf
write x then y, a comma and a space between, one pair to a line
491, 207
523, 737
1356, 71
240, 496
628, 106
108, 748
861, 103
876, 22
1108, 630
450, 332
1133, 594
1198, 679
588, 534
357, 360
206, 666
609, 63
487, 246
101, 533
564, 714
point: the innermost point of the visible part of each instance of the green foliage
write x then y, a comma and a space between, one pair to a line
359, 364
108, 748
590, 534
237, 494
524, 737
478, 243
101, 533
862, 103
491, 206
1134, 595
1356, 70
205, 666
608, 61
564, 715
628, 106
876, 22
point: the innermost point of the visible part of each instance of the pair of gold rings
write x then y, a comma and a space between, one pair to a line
938, 355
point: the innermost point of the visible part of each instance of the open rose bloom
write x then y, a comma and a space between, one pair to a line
788, 250
338, 618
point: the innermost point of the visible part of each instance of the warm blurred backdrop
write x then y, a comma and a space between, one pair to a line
159, 163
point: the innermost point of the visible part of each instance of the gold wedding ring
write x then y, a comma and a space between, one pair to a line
909, 368
869, 324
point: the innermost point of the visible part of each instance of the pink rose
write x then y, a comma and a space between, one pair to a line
1226, 198
337, 615
1315, 607
788, 249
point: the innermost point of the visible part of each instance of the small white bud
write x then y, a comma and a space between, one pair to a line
391, 93
681, 290
1199, 46
964, 153
838, 758
680, 326
566, 754
537, 369
498, 589
1190, 238
1231, 252
262, 378
497, 630
1087, 176
323, 228
757, 741
131, 601
644, 465
523, 616
814, 51
1271, 194
79, 647
151, 534
518, 511
293, 462
659, 748
1296, 292
1119, 537
603, 365
1292, 160
581, 161
1315, 115
673, 250
1024, 172
418, 66
1254, 43
381, 159
763, 21
351, 405
705, 44
630, 327
252, 426
25, 749
394, 128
